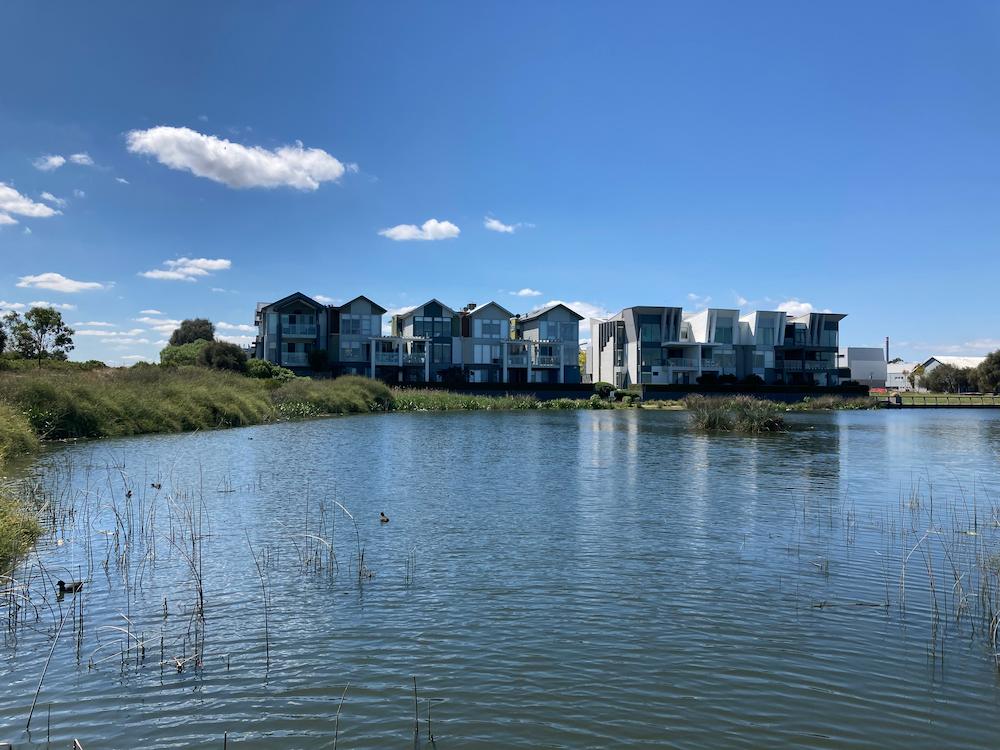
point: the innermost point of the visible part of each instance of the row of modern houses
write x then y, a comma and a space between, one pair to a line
489, 344
428, 343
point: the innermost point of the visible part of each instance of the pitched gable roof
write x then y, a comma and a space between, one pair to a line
550, 308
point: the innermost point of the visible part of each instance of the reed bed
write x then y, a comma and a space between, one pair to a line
735, 414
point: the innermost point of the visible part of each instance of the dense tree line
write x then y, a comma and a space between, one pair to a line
950, 379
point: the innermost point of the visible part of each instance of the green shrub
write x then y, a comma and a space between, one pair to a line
838, 403
261, 368
597, 402
184, 354
603, 389
221, 355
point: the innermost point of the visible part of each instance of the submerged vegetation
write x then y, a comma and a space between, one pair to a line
735, 414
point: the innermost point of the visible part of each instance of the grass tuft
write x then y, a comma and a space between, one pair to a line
735, 414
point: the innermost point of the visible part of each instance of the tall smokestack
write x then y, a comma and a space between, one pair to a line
886, 348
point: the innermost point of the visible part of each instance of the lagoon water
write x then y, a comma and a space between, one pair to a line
552, 579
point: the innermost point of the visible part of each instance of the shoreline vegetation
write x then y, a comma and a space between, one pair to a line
63, 403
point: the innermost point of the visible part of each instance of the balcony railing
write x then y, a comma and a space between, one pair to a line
414, 358
710, 364
682, 362
294, 359
547, 360
811, 365
299, 329
517, 360
386, 358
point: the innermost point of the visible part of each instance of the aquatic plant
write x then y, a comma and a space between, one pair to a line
735, 414
835, 403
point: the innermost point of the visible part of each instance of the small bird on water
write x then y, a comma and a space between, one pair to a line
156, 485
383, 518
69, 588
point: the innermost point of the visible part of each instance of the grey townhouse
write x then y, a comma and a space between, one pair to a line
428, 343
650, 345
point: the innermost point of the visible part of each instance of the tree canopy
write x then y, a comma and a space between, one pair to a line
40, 334
192, 329
988, 373
221, 355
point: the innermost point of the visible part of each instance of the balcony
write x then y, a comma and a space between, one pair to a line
294, 359
546, 360
809, 365
386, 358
517, 360
299, 329
711, 364
414, 358
683, 362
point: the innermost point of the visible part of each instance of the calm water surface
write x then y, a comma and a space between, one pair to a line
552, 579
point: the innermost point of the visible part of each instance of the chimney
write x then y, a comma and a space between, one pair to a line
886, 348
471, 306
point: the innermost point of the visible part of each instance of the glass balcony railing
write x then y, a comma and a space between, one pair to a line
294, 359
414, 358
517, 360
682, 362
547, 360
298, 329
387, 358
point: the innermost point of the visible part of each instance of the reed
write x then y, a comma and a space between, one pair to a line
735, 414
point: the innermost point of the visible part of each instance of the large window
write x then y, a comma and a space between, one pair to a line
441, 353
486, 354
352, 350
765, 336
431, 327
490, 329
650, 333
723, 331
357, 325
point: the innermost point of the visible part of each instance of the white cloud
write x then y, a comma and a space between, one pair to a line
150, 312
188, 269
218, 290
57, 283
49, 162
95, 324
8, 306
223, 326
699, 302
79, 193
111, 334
495, 225
27, 230
796, 307
234, 164
137, 358
324, 299
587, 309
741, 301
527, 292
52, 199
238, 340
55, 305
160, 325
12, 202
432, 229
6, 220
125, 341
122, 180
83, 159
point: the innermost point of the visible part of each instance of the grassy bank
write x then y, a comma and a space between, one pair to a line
18, 527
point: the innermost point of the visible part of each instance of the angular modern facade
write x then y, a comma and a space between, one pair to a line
665, 345
428, 343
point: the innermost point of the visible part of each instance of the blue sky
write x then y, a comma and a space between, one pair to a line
843, 156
